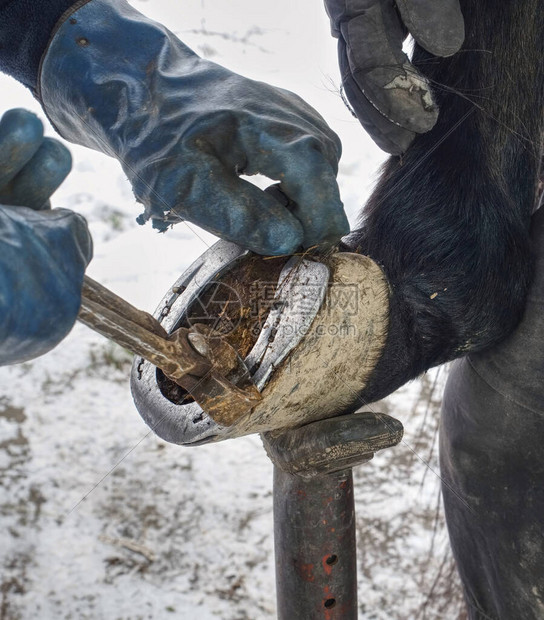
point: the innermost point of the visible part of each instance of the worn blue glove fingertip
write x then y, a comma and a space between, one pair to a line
20, 126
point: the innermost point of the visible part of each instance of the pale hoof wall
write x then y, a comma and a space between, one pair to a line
316, 361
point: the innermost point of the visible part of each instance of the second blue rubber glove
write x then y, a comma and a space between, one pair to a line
44, 252
184, 129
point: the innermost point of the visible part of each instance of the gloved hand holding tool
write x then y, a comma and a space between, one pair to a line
184, 129
44, 256
391, 99
44, 252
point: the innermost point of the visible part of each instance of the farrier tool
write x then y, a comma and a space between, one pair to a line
205, 366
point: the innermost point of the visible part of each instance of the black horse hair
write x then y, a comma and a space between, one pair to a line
449, 221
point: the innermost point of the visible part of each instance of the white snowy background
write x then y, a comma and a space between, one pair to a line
99, 519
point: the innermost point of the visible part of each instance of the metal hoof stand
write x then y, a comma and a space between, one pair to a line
314, 515
314, 512
314, 537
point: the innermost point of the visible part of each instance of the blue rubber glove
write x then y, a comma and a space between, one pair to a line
44, 252
184, 128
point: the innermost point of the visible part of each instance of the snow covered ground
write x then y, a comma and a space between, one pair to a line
99, 519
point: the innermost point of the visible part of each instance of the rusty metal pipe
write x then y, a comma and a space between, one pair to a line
315, 545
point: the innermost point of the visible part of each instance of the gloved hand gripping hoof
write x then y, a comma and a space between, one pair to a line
184, 128
311, 333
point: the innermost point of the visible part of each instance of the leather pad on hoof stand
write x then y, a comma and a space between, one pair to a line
332, 445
